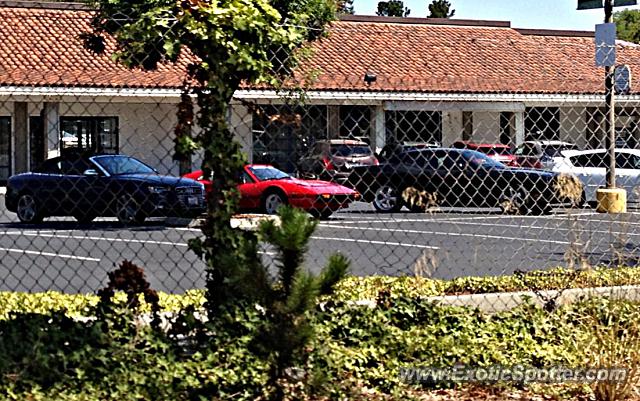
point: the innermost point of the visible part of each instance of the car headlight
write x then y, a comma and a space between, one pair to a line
157, 189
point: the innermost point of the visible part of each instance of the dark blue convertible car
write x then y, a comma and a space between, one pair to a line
89, 186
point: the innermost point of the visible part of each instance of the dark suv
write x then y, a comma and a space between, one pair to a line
334, 159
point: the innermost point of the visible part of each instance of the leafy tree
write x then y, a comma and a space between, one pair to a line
440, 9
233, 41
228, 43
345, 6
628, 25
392, 8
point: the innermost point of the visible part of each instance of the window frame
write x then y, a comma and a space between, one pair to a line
93, 142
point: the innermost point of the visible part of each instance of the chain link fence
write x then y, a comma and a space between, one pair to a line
435, 149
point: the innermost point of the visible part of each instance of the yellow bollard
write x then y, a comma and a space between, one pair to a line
611, 200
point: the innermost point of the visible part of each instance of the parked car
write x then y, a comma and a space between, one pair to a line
454, 177
86, 187
541, 154
266, 188
496, 151
333, 159
590, 166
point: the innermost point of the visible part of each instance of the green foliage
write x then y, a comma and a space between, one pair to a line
440, 9
38, 346
291, 238
609, 337
369, 345
287, 330
392, 8
358, 288
628, 25
345, 6
96, 360
224, 44
350, 288
356, 351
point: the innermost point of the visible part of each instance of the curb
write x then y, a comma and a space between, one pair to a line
505, 301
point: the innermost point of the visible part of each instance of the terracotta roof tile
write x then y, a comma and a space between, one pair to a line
42, 47
440, 58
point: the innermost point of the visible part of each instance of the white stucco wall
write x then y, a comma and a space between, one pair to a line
451, 127
240, 122
486, 127
573, 125
6, 109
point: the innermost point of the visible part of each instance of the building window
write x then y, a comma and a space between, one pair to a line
95, 134
414, 126
355, 122
5, 148
542, 123
282, 134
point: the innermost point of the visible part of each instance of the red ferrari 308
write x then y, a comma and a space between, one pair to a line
265, 188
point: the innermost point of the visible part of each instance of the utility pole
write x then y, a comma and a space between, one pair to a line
610, 109
610, 199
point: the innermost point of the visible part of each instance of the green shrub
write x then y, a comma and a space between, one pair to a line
358, 288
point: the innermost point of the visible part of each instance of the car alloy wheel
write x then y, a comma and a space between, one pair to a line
129, 210
514, 202
524, 202
27, 209
386, 199
272, 201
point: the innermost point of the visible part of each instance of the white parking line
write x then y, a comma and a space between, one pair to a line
49, 254
454, 234
92, 238
517, 226
402, 244
437, 217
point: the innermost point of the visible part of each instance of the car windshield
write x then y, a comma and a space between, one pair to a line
266, 173
478, 159
350, 150
117, 165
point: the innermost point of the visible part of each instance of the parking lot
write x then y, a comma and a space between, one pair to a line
61, 254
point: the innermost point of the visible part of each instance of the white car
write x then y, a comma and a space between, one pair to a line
590, 166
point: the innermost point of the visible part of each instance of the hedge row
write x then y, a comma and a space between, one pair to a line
358, 288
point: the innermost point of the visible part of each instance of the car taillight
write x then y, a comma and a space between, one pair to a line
376, 162
327, 164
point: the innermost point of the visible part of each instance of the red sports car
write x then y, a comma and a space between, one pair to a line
265, 188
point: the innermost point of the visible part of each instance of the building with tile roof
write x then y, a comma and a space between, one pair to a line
376, 78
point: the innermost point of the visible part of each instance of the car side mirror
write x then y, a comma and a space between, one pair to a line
90, 172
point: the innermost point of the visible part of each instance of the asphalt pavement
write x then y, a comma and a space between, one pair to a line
61, 254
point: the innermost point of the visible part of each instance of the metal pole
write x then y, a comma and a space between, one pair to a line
610, 110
